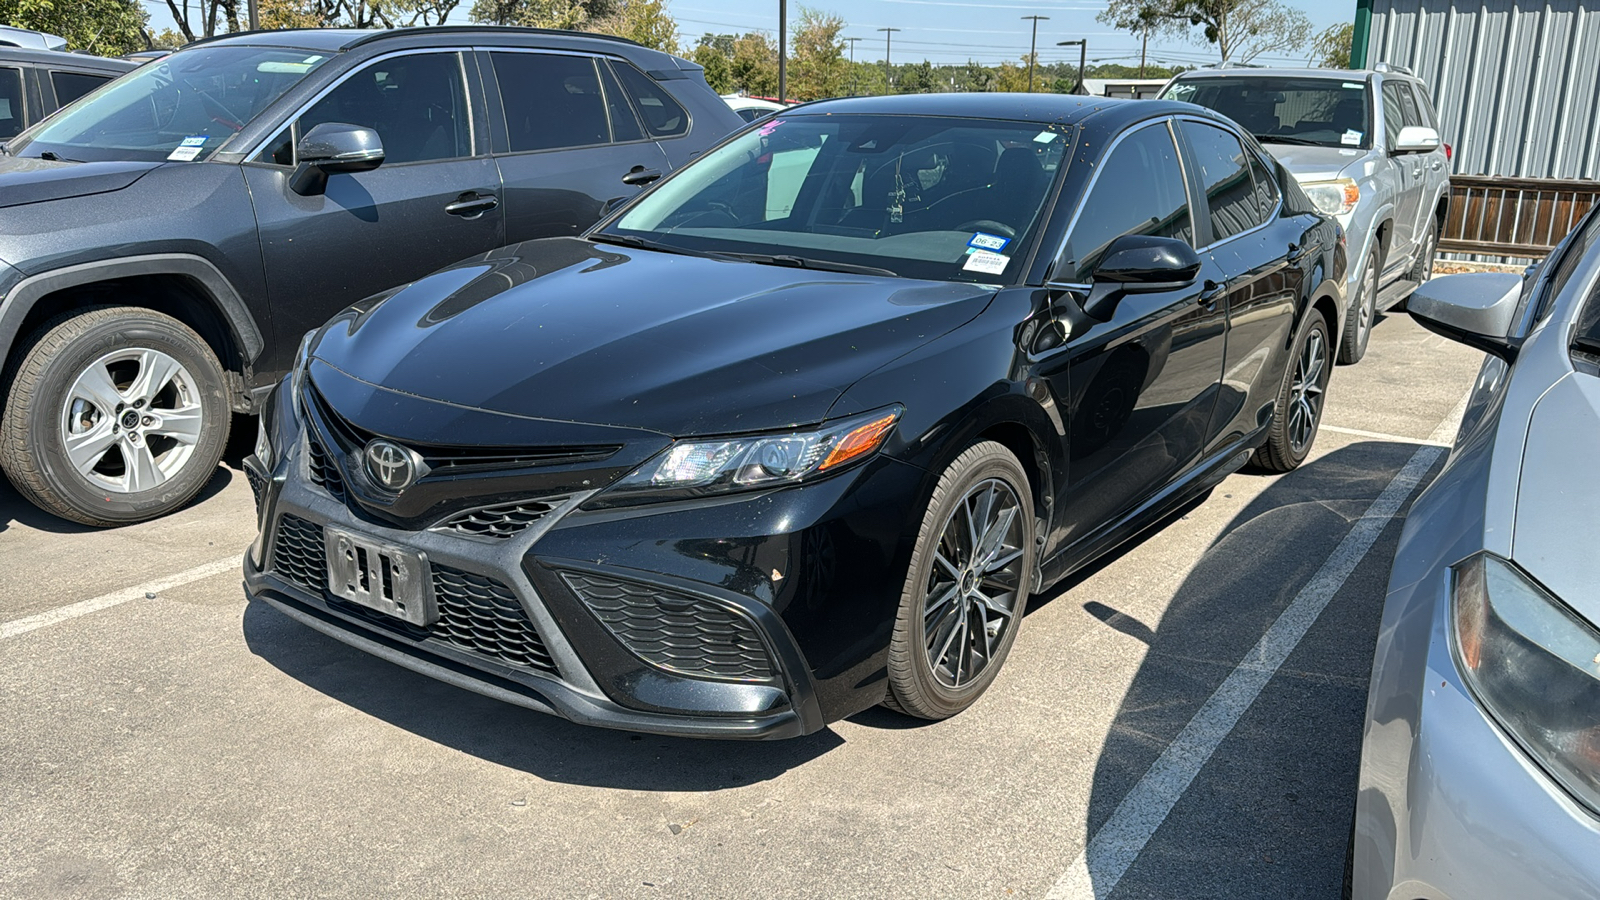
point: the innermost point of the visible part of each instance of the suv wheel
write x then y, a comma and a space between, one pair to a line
115, 415
1423, 270
970, 576
1297, 413
1363, 312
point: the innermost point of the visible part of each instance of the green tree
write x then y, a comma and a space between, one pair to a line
915, 78
566, 14
1012, 78
103, 27
717, 61
644, 22
975, 77
754, 63
1332, 48
1241, 30
867, 79
818, 69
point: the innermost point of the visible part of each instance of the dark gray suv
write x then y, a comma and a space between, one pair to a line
167, 240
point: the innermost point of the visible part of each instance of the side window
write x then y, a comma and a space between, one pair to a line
72, 85
1139, 191
1230, 193
1394, 114
662, 115
1424, 107
417, 104
551, 101
1266, 187
624, 124
10, 103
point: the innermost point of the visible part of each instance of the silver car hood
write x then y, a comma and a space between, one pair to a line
1556, 536
1314, 163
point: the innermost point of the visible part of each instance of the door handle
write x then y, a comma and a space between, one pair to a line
472, 205
1211, 294
639, 176
1297, 253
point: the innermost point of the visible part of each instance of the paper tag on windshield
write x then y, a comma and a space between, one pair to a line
993, 242
987, 262
1354, 84
189, 149
1350, 137
1045, 137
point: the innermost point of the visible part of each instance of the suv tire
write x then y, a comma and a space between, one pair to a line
115, 415
1363, 314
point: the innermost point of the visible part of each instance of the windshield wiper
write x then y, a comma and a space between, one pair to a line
1289, 139
802, 262
53, 156
628, 240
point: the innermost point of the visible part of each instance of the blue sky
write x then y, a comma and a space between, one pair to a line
945, 31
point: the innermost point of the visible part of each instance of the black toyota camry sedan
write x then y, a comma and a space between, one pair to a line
800, 430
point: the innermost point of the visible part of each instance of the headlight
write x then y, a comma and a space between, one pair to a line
1534, 666
1335, 197
698, 468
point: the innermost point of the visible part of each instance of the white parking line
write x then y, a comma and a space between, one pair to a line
106, 601
1097, 870
1381, 436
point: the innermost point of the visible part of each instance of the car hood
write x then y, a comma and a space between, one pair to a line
24, 180
1558, 500
1314, 163
566, 329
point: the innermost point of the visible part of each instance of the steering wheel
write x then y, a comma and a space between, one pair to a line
990, 226
219, 114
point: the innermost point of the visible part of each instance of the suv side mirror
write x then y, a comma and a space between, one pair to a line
333, 147
1475, 309
1416, 139
1139, 264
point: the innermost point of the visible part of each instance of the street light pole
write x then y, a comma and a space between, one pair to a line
852, 49
888, 67
1033, 48
783, 50
254, 9
1083, 59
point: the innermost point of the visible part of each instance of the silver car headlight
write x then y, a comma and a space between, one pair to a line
1534, 666
1336, 197
738, 463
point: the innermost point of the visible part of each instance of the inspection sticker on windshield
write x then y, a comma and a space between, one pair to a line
983, 241
1045, 137
987, 262
189, 149
1350, 137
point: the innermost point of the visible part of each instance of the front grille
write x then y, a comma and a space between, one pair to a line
258, 486
324, 473
501, 522
479, 614
298, 555
675, 631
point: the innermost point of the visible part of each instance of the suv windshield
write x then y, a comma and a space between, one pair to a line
922, 197
1323, 112
182, 107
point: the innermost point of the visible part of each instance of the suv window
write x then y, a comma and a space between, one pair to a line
72, 85
662, 115
1220, 161
624, 125
416, 103
10, 102
1423, 107
551, 101
1394, 114
1315, 111
1139, 191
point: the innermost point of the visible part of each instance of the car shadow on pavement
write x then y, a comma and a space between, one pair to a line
1268, 815
545, 746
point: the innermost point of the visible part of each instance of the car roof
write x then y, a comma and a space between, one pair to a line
1053, 109
59, 60
336, 39
1328, 74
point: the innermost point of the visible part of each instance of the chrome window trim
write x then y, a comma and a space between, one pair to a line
595, 59
1277, 209
466, 86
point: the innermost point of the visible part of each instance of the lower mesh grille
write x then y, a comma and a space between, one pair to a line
501, 522
675, 631
298, 554
258, 486
480, 614
324, 473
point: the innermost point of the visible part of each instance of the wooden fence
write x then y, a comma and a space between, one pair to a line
1503, 216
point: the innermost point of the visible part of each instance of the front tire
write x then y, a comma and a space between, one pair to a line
1363, 313
967, 587
1297, 413
115, 415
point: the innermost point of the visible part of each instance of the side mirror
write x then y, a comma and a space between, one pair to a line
333, 147
1139, 264
1416, 139
1475, 309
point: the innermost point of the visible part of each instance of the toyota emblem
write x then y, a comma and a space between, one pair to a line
392, 467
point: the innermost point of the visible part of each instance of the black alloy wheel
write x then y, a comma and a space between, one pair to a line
1297, 413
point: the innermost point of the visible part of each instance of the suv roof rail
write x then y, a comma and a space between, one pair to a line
1391, 67
367, 36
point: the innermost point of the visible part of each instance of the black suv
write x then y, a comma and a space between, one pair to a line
167, 240
36, 83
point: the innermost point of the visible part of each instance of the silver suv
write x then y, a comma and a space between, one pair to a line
1365, 147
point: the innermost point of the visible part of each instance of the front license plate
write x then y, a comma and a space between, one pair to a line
389, 579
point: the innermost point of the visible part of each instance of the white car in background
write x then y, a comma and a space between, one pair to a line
752, 108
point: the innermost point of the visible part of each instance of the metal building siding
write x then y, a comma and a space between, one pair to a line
1516, 82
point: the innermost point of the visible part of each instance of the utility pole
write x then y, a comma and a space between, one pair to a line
1083, 60
255, 15
1033, 48
1144, 45
888, 67
783, 50
852, 49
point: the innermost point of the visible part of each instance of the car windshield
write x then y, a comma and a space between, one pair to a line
1323, 112
916, 196
181, 107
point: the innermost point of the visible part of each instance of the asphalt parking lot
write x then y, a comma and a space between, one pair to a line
1182, 721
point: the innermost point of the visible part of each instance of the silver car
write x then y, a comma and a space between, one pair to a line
1365, 147
1480, 764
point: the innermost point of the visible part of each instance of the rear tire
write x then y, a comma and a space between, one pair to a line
967, 586
1363, 314
1297, 413
115, 415
1422, 270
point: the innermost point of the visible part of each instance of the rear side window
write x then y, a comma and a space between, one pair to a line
624, 125
10, 103
551, 101
1139, 191
662, 115
1394, 114
72, 85
1221, 163
1424, 107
